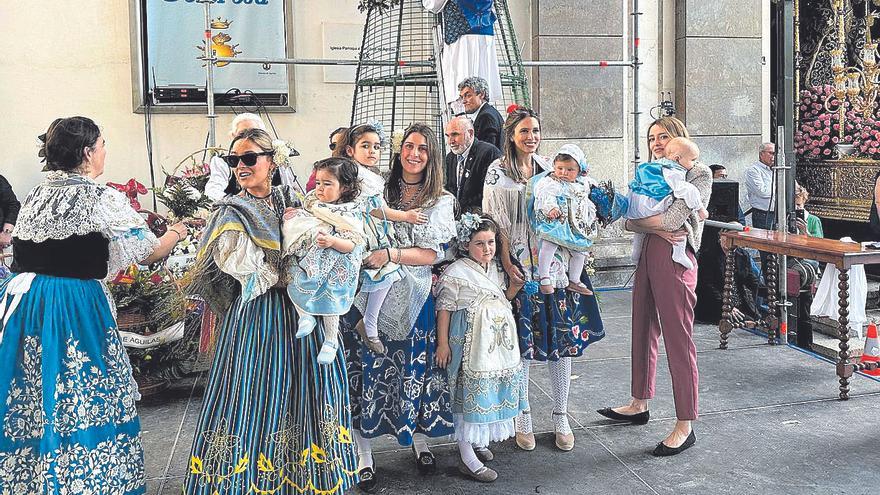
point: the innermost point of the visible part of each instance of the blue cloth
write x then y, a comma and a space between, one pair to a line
273, 419
403, 391
331, 288
558, 325
461, 17
484, 400
610, 205
570, 231
66, 394
649, 181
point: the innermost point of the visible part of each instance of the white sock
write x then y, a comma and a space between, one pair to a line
560, 380
420, 444
523, 421
468, 456
576, 267
679, 254
371, 312
546, 253
365, 450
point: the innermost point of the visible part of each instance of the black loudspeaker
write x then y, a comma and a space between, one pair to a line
724, 201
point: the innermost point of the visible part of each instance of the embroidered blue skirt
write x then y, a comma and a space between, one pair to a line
403, 391
558, 325
273, 419
69, 424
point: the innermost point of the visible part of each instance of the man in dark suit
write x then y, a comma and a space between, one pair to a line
474, 94
467, 163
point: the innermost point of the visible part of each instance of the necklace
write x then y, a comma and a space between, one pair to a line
409, 193
252, 196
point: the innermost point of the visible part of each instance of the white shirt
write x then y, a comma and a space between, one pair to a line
759, 186
460, 160
220, 174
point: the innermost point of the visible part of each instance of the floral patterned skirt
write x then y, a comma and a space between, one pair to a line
273, 419
401, 392
557, 325
69, 424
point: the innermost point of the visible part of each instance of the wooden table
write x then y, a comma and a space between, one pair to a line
841, 254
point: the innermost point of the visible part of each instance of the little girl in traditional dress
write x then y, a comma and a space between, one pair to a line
563, 217
326, 240
363, 143
477, 344
657, 184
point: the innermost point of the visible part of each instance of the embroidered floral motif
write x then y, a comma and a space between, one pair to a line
114, 466
25, 417
85, 397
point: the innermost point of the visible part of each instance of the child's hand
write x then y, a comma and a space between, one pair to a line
703, 213
289, 213
554, 214
325, 241
444, 355
416, 217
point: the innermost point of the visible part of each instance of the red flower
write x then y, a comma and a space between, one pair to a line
512, 108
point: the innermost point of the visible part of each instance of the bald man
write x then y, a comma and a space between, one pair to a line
466, 163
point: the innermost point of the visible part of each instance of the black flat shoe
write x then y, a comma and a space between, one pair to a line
636, 419
661, 450
367, 482
425, 462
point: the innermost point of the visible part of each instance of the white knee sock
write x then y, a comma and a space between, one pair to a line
560, 380
576, 266
545, 258
331, 328
371, 312
468, 456
365, 450
523, 420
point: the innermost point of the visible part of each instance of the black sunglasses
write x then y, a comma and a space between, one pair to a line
249, 159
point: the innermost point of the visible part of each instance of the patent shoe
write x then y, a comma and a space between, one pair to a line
662, 450
636, 419
367, 482
484, 455
425, 462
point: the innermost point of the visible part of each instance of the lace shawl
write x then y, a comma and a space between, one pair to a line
67, 204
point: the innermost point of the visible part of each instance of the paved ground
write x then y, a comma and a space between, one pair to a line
770, 424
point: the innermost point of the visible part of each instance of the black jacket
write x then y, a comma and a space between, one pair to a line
470, 192
487, 126
9, 204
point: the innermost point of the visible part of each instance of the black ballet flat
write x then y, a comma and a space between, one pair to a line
662, 450
636, 419
367, 480
425, 462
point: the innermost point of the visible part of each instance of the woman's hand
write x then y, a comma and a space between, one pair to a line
377, 259
180, 229
513, 273
673, 237
443, 356
802, 227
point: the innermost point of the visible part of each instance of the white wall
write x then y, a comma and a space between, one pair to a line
73, 58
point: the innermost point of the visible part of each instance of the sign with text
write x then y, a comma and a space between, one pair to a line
239, 28
342, 41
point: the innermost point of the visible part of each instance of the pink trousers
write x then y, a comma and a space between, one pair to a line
663, 302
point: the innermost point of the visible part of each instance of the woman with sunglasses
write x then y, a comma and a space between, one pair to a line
222, 181
67, 398
273, 420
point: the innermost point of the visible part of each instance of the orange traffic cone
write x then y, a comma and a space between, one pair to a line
871, 354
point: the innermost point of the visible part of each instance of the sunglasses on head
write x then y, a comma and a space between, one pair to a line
248, 159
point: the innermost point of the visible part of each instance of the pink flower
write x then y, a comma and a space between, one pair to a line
835, 139
826, 152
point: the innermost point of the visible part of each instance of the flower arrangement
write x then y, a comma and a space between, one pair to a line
147, 300
819, 130
380, 5
181, 198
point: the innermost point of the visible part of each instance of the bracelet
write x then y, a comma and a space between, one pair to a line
388, 252
398, 256
179, 237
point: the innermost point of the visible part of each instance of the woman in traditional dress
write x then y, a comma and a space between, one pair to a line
477, 344
273, 419
69, 423
553, 327
402, 392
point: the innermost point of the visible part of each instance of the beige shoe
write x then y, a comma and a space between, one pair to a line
483, 475
564, 442
484, 454
372, 343
525, 441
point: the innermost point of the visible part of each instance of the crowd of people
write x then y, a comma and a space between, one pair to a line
413, 304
